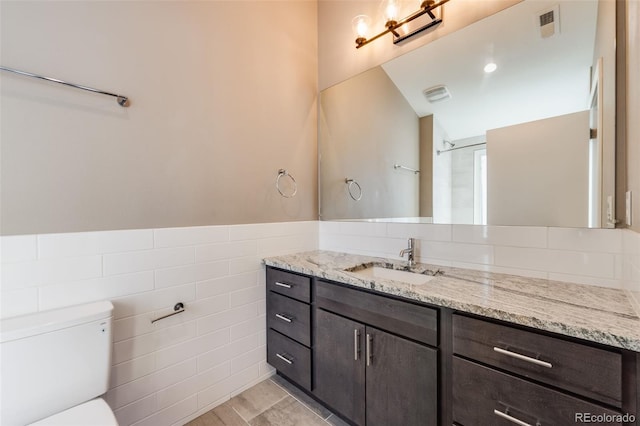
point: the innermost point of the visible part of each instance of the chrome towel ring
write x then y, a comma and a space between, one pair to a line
281, 173
350, 183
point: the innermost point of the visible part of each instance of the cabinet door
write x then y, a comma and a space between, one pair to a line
338, 365
402, 381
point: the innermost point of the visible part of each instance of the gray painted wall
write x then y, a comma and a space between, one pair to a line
220, 100
535, 168
366, 126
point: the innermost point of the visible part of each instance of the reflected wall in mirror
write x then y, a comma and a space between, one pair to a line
508, 147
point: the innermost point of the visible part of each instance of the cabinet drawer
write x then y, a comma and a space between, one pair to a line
482, 396
289, 317
290, 358
289, 284
406, 319
584, 370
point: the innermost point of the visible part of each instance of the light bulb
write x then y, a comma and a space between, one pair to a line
360, 25
391, 10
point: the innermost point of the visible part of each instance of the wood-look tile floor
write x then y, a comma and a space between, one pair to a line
272, 402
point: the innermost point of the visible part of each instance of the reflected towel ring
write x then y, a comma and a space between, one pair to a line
283, 172
350, 183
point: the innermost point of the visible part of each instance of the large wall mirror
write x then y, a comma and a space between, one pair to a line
433, 136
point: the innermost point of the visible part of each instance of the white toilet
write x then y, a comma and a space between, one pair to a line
54, 366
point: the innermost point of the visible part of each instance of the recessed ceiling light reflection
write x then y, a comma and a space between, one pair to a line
490, 67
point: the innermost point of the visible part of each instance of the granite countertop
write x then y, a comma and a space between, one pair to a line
597, 314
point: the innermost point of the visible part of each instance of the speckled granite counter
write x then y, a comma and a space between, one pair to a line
596, 314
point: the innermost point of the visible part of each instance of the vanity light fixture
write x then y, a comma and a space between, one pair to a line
361, 23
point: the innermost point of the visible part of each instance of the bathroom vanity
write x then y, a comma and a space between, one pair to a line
460, 347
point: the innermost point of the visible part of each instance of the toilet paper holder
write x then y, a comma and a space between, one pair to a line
178, 308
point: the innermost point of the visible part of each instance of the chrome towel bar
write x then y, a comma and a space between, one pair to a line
398, 166
459, 147
123, 101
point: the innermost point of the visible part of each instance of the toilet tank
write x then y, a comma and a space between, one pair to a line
53, 360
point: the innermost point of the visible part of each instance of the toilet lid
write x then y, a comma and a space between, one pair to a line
93, 413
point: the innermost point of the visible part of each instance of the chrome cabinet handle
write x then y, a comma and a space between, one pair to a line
523, 357
279, 284
285, 359
284, 318
369, 354
356, 344
511, 418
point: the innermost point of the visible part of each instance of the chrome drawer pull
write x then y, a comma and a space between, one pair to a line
510, 418
284, 318
356, 344
285, 359
279, 284
369, 354
523, 357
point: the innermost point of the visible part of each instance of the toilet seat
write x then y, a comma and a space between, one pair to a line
92, 413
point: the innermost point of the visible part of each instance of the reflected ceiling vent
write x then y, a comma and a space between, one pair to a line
437, 93
548, 22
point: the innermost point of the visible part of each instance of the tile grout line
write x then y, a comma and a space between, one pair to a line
274, 404
302, 402
263, 411
278, 385
237, 412
327, 419
308, 408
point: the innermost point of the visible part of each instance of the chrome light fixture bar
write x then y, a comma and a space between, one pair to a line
392, 26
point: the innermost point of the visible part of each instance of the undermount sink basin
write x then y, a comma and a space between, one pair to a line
394, 274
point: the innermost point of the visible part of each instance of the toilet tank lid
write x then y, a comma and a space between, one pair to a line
46, 321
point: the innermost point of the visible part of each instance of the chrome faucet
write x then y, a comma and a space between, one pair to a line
410, 251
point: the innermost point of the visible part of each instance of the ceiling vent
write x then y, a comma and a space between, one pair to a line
548, 22
437, 93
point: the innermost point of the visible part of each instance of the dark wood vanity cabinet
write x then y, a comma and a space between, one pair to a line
371, 359
371, 376
486, 397
504, 375
289, 325
338, 365
379, 360
584, 370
